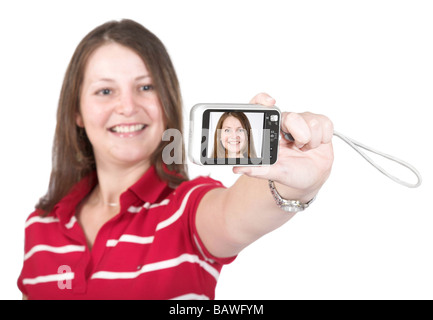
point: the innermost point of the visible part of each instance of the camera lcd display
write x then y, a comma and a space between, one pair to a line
239, 137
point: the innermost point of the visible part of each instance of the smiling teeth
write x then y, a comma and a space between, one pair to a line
127, 129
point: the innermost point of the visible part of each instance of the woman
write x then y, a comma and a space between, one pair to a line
233, 137
116, 222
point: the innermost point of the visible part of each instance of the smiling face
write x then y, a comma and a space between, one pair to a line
119, 108
233, 137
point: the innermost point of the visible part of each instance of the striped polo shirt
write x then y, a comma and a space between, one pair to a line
150, 250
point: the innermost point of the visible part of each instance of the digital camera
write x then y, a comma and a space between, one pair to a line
234, 134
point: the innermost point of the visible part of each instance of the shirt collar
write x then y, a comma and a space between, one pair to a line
66, 207
149, 188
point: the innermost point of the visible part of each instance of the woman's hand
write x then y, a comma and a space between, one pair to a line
304, 165
230, 219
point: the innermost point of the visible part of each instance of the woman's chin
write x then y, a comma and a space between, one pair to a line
129, 157
234, 151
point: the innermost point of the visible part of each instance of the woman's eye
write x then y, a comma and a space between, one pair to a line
104, 92
146, 87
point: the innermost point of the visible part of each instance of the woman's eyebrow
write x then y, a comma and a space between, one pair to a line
142, 77
104, 79
228, 127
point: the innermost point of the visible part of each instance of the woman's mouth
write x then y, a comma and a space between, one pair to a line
127, 130
233, 142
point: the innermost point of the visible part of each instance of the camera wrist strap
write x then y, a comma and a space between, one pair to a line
357, 146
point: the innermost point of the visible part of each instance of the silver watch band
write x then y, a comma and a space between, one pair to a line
292, 206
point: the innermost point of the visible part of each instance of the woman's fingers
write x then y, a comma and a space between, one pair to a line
296, 125
309, 130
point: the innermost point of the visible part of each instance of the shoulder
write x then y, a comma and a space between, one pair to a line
193, 186
38, 229
187, 196
39, 216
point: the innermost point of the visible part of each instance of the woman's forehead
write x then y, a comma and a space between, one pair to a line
231, 121
112, 60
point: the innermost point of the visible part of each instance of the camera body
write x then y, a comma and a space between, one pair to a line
233, 134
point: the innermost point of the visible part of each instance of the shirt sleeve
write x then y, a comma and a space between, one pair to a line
20, 284
27, 245
198, 188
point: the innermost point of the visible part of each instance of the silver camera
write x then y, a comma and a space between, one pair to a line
234, 134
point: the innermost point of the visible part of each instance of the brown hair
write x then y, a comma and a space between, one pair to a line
73, 156
248, 151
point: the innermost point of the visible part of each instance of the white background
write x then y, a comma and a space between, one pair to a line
368, 65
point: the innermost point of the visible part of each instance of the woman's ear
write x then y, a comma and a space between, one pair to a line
79, 120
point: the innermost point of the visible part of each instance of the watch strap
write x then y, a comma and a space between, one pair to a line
292, 206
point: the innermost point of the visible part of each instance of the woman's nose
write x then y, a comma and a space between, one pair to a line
234, 135
127, 104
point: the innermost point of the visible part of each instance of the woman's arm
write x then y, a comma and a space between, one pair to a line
230, 219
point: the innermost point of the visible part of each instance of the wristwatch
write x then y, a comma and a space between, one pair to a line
292, 206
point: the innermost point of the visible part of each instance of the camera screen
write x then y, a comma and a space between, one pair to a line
239, 137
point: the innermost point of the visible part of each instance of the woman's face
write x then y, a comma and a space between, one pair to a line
120, 110
233, 137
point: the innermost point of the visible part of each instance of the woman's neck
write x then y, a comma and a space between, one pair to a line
114, 180
235, 155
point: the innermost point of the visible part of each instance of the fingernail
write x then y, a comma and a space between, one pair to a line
300, 145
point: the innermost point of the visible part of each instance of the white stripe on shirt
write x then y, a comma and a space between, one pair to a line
71, 222
179, 211
130, 238
158, 266
39, 219
49, 278
63, 249
148, 205
133, 209
197, 244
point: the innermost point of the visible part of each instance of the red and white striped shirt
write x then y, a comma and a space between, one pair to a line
150, 250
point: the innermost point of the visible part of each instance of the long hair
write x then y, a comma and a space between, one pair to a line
248, 150
72, 154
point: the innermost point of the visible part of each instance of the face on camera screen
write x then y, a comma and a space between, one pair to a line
235, 134
240, 137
